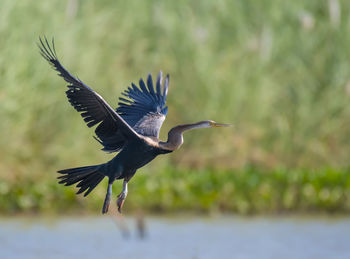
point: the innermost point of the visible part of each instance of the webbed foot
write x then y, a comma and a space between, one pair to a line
107, 199
122, 196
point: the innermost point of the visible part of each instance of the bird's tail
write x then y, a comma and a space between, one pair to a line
87, 177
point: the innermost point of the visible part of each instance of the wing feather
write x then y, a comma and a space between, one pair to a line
143, 107
92, 107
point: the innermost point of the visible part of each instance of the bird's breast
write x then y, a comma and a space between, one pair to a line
134, 157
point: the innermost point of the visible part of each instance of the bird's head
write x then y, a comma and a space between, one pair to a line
175, 138
215, 124
212, 124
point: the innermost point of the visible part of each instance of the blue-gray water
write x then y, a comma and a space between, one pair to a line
174, 238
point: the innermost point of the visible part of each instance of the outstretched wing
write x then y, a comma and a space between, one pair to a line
91, 105
144, 107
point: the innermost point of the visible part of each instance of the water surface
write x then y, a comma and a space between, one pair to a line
228, 237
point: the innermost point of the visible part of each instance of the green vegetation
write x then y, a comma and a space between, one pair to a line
278, 70
209, 191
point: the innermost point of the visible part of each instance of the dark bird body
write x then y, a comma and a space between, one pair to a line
132, 129
134, 156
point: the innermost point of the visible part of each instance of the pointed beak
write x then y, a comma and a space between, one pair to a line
214, 124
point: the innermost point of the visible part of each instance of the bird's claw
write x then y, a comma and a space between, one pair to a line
120, 201
105, 209
107, 199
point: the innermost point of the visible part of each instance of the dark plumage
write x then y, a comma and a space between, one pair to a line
133, 128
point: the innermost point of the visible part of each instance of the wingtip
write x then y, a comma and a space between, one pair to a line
166, 86
159, 83
160, 76
150, 84
46, 50
167, 79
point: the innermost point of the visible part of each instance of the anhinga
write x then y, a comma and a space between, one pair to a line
132, 129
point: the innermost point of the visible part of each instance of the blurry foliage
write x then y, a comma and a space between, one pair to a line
277, 70
248, 191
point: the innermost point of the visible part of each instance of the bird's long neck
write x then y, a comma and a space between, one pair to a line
175, 135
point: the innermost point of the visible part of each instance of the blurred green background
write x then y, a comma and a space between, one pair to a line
278, 70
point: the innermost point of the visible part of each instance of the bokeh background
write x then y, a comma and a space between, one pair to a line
279, 71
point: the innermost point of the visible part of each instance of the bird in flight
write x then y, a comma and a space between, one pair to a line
132, 129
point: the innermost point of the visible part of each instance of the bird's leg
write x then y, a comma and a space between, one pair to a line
122, 195
108, 197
